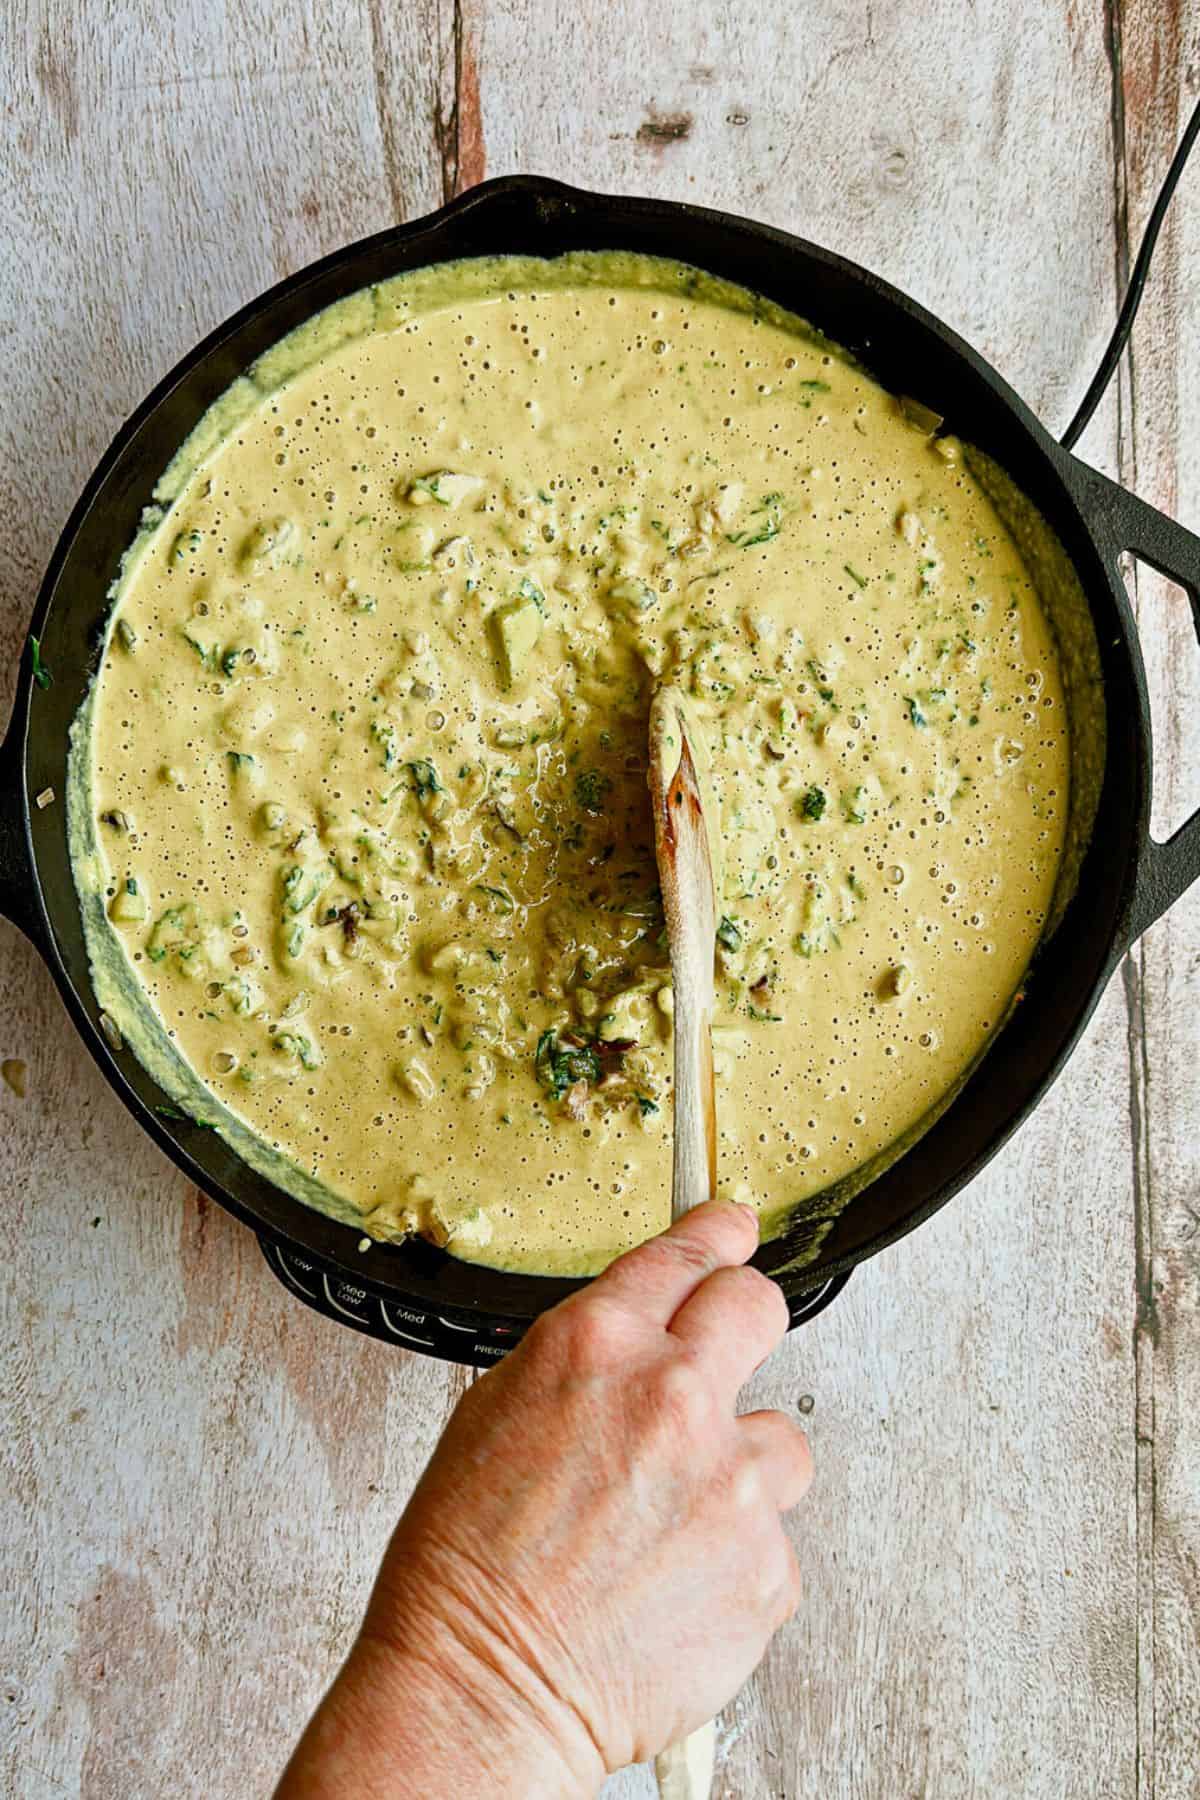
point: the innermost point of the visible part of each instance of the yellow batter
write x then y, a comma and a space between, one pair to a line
368, 752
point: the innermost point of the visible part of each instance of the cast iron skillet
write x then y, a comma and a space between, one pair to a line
415, 1293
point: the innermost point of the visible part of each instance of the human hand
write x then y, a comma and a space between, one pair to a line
593, 1561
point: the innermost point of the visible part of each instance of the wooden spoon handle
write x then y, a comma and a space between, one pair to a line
686, 877
695, 1174
684, 1770
691, 925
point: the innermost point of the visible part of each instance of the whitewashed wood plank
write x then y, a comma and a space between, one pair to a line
198, 1474
204, 1475
1160, 439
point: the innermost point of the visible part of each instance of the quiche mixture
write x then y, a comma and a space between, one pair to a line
365, 759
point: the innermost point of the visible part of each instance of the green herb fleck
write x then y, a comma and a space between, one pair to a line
854, 806
591, 790
561, 1062
185, 544
559, 1066
207, 656
817, 671
728, 935
178, 929
179, 1117
425, 777
294, 1043
501, 901
300, 889
41, 673
529, 590
384, 733
770, 512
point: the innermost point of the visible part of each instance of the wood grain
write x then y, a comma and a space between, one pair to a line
1156, 67
199, 1475
1003, 1593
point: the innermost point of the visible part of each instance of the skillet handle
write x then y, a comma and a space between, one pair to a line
18, 886
1164, 871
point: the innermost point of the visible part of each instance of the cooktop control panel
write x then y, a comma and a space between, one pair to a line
455, 1339
452, 1337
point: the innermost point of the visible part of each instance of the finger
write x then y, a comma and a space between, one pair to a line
732, 1321
781, 1450
655, 1279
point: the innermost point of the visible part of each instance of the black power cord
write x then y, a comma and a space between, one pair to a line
1133, 294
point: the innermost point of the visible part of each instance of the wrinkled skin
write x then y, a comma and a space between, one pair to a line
593, 1562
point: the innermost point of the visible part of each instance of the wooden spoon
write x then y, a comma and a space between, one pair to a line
683, 807
684, 814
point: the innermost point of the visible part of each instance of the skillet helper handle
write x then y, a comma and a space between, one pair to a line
1166, 870
18, 890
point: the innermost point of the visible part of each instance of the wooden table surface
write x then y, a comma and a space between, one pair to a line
1003, 1547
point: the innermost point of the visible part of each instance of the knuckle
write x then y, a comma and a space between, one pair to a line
668, 1253
581, 1337
680, 1398
747, 1486
764, 1295
540, 1337
543, 1344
